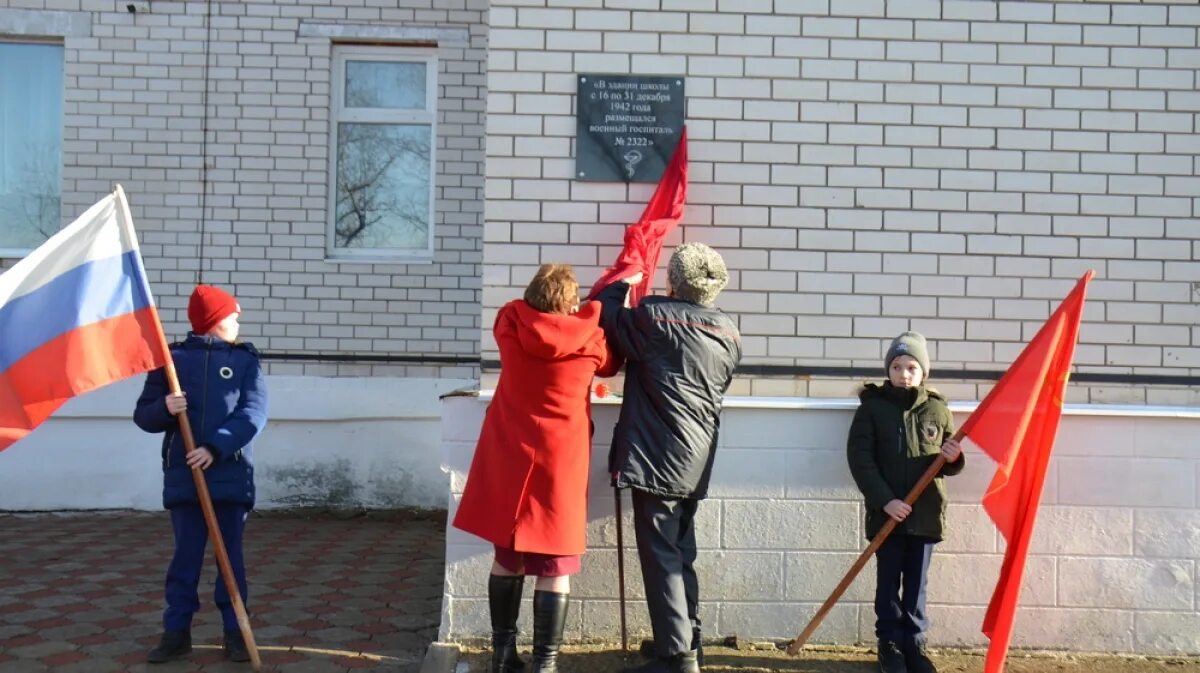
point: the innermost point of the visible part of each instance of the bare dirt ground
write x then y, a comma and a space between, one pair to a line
856, 660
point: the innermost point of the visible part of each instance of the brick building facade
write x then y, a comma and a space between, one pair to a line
219, 120
866, 167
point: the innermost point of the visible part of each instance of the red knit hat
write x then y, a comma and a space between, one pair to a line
208, 306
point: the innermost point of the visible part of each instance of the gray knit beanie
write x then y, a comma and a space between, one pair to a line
908, 343
696, 273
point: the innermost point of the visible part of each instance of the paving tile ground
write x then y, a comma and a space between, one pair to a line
83, 592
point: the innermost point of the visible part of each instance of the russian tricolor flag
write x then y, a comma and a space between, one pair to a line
75, 315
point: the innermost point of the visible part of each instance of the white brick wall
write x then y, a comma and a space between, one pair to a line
133, 115
1113, 564
904, 153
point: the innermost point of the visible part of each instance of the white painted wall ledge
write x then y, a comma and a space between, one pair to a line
336, 442
961, 408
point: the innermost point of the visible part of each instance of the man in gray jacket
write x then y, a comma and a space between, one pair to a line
680, 353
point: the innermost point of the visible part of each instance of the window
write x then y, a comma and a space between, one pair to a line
31, 103
382, 153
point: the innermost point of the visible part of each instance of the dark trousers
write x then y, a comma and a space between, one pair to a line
183, 575
902, 567
666, 542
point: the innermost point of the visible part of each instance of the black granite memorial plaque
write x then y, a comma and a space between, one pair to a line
628, 126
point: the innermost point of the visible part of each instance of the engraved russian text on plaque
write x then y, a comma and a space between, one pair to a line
627, 126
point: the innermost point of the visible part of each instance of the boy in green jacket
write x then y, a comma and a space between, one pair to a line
898, 431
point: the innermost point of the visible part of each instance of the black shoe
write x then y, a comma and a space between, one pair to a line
172, 645
504, 604
680, 663
647, 650
916, 657
235, 647
891, 659
549, 618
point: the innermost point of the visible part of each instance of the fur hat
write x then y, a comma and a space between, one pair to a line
908, 343
208, 306
697, 273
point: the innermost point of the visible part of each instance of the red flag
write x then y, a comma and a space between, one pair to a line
1016, 425
643, 241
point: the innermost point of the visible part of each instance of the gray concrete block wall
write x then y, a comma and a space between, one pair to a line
134, 114
868, 167
1111, 568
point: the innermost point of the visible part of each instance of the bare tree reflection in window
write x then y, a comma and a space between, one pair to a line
39, 200
383, 186
383, 170
31, 90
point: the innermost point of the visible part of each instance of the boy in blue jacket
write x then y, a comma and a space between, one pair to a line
225, 398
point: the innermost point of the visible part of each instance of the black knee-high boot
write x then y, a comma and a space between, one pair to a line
549, 617
504, 602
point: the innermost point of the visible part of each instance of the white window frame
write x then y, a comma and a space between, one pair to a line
341, 114
20, 253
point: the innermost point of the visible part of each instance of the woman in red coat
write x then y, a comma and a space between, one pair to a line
526, 492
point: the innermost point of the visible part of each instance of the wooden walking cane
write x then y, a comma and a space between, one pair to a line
189, 443
621, 569
922, 483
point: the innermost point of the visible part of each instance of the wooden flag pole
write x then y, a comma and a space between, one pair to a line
621, 569
922, 483
189, 443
